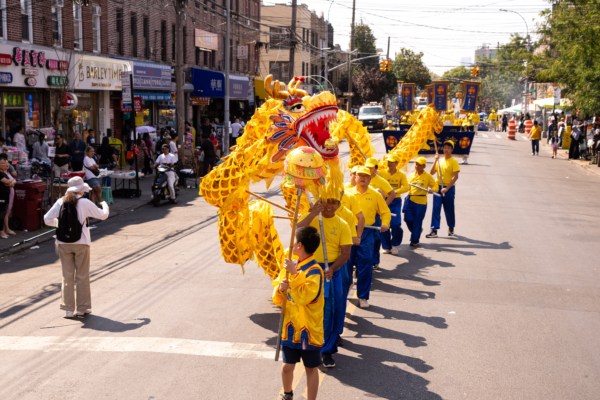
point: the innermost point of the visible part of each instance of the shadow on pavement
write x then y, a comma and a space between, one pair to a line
102, 324
436, 322
268, 321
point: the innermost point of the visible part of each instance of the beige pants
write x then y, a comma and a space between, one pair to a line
75, 260
60, 170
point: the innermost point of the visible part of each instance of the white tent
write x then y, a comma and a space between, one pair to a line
549, 102
511, 110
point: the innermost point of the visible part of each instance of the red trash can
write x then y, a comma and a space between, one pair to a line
28, 204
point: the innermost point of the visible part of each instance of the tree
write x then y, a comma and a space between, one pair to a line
569, 52
364, 42
371, 85
455, 76
408, 67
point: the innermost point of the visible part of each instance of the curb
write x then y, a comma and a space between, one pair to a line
594, 169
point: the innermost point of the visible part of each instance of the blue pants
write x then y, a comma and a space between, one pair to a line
448, 202
332, 312
414, 215
535, 146
362, 257
377, 241
393, 237
346, 272
107, 180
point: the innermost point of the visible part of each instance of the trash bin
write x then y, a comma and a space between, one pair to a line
28, 205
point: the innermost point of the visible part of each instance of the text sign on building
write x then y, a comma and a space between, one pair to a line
6, 77
242, 52
137, 104
126, 89
206, 40
151, 76
92, 73
5, 59
57, 81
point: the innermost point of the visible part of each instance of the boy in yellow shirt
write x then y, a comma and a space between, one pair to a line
302, 336
388, 193
338, 241
415, 206
392, 239
535, 134
450, 169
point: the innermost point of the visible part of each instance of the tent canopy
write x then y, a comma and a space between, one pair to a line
549, 102
511, 110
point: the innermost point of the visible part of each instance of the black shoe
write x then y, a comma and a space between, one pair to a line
172, 201
328, 361
375, 266
450, 231
432, 234
340, 342
414, 244
287, 396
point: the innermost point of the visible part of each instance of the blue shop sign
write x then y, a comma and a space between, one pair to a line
151, 76
6, 77
208, 83
154, 96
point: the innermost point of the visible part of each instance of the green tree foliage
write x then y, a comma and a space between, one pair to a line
570, 50
364, 42
371, 85
455, 76
408, 67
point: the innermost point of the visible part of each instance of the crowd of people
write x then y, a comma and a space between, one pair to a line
356, 225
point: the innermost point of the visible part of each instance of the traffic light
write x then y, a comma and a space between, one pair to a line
475, 72
385, 65
389, 64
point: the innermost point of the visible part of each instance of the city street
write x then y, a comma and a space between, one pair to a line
507, 309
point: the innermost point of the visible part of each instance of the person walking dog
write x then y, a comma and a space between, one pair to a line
69, 214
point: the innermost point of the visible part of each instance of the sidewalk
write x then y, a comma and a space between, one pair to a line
564, 154
119, 207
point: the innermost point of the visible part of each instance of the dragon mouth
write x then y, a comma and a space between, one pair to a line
313, 127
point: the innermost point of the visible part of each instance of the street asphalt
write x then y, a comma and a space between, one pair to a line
507, 309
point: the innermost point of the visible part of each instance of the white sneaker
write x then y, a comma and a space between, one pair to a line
363, 303
83, 313
395, 250
69, 314
386, 251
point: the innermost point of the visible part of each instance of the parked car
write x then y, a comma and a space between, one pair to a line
482, 126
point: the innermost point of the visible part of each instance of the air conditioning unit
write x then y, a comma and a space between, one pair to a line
96, 10
248, 22
258, 69
58, 3
225, 12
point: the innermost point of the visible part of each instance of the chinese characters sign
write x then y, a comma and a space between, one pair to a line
440, 95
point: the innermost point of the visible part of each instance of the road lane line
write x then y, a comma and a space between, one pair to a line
498, 136
524, 137
484, 135
138, 344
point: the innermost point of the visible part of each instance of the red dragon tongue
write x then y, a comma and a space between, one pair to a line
321, 136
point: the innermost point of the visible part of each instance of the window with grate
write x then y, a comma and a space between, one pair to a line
163, 41
96, 39
146, 23
77, 27
134, 36
26, 21
119, 44
57, 26
173, 33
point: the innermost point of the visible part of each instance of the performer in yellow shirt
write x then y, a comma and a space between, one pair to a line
388, 193
535, 134
415, 205
302, 336
352, 183
475, 121
371, 204
493, 118
390, 127
392, 239
450, 169
338, 241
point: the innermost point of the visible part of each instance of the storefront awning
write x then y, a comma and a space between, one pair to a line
259, 89
208, 83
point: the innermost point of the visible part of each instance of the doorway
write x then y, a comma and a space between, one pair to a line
14, 119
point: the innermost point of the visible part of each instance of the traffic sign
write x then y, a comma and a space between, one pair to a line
126, 89
320, 87
348, 94
137, 104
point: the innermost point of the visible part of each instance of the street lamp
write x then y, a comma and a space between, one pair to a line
525, 106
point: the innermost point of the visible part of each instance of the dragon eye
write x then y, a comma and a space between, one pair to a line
297, 108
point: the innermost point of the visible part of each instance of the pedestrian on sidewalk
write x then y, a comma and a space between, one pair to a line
338, 241
535, 135
504, 122
415, 206
6, 184
302, 336
371, 203
69, 214
91, 175
11, 173
168, 160
554, 142
575, 135
449, 169
77, 152
391, 240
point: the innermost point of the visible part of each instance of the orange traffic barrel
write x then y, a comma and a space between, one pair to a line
512, 129
528, 126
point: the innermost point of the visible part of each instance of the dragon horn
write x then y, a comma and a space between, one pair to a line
268, 80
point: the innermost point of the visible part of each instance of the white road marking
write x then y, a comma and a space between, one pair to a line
498, 136
138, 344
484, 135
524, 137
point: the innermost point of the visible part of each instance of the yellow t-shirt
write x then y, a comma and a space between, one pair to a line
448, 167
351, 203
425, 180
493, 117
372, 203
348, 185
337, 234
398, 181
379, 183
390, 128
474, 118
536, 133
348, 218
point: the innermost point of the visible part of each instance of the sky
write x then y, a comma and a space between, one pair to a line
444, 31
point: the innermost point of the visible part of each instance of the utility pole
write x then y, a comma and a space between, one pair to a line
350, 57
293, 40
180, 6
387, 57
326, 55
227, 64
348, 104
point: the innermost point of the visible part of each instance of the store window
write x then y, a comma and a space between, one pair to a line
144, 118
80, 120
14, 115
166, 115
32, 111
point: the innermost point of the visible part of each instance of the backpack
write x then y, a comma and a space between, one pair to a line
69, 228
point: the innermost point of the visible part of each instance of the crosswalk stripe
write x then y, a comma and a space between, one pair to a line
138, 344
498, 136
484, 135
525, 137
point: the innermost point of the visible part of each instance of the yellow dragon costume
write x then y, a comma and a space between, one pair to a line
289, 119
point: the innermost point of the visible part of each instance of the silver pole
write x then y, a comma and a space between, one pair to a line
227, 64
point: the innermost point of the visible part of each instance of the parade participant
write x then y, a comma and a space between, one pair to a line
493, 120
390, 127
535, 134
450, 169
415, 205
338, 240
352, 183
475, 119
449, 118
169, 160
392, 239
303, 319
371, 204
388, 193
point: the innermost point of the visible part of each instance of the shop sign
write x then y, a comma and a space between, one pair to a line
206, 40
199, 101
238, 86
30, 71
30, 81
126, 107
137, 104
5, 59
208, 83
154, 96
5, 77
57, 81
242, 52
57, 65
93, 73
70, 102
151, 76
